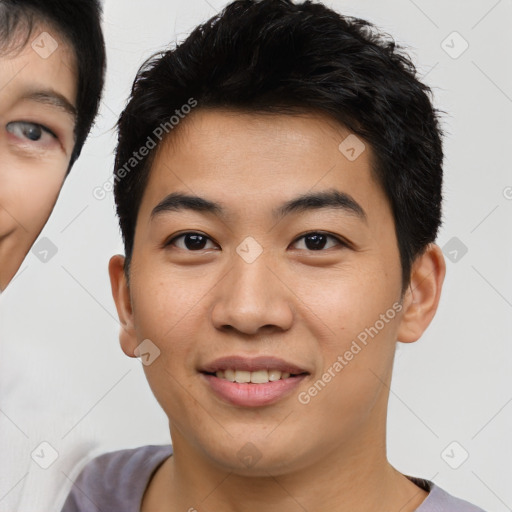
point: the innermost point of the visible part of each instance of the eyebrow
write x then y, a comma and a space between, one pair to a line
328, 199
52, 98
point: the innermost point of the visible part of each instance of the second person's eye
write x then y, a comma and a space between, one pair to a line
31, 132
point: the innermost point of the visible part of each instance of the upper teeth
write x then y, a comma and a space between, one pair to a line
259, 377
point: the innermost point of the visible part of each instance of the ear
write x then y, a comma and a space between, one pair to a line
422, 296
121, 294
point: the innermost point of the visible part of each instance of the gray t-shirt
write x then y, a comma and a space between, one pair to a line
116, 482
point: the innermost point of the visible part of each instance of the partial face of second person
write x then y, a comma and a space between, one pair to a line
38, 89
221, 288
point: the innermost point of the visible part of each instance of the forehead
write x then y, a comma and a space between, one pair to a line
39, 61
233, 155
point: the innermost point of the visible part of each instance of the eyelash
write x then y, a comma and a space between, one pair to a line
339, 241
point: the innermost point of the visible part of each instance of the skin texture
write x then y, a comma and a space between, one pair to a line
41, 92
301, 305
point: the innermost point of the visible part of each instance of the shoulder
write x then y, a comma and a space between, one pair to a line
439, 500
116, 480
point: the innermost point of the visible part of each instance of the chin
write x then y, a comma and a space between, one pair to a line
256, 458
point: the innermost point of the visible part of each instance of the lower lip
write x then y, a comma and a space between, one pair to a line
252, 395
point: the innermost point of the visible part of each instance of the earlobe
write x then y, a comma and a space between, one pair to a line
422, 296
122, 299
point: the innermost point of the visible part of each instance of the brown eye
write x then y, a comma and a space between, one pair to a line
191, 241
317, 241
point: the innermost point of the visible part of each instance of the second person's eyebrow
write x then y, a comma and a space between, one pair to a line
49, 97
328, 199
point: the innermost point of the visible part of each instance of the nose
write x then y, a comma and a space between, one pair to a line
252, 299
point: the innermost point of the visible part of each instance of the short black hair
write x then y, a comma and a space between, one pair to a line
280, 57
79, 22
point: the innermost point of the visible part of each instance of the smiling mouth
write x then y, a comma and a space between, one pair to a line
256, 377
249, 389
252, 381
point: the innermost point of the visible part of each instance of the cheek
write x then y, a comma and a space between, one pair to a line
360, 314
167, 309
29, 196
167, 296
347, 301
41, 205
170, 311
171, 322
352, 385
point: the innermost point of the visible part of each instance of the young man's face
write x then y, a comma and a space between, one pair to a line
252, 289
37, 96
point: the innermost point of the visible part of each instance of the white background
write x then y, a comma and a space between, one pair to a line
64, 379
